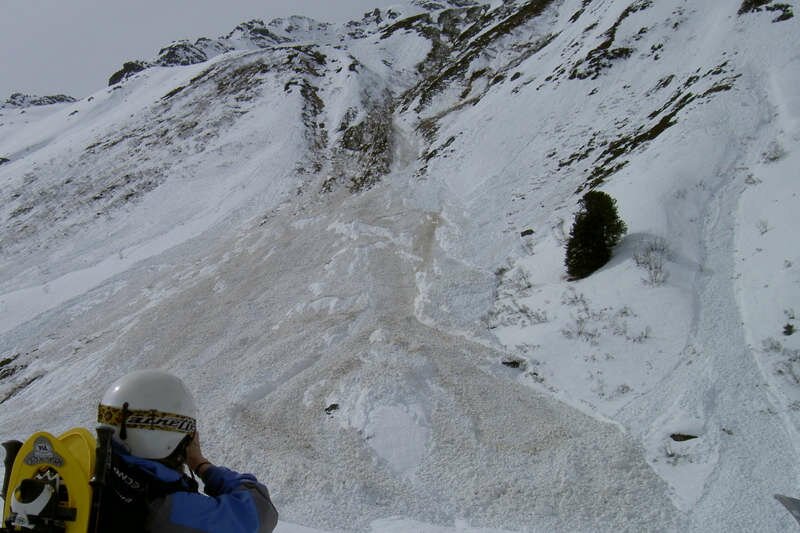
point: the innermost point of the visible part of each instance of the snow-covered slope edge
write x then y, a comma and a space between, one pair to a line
352, 248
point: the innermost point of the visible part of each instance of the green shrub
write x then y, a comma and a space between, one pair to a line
596, 230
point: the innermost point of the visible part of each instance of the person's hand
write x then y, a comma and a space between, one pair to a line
194, 456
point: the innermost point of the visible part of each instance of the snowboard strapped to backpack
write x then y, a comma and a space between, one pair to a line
54, 484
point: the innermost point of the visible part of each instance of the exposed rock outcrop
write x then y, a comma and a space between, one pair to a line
128, 69
20, 100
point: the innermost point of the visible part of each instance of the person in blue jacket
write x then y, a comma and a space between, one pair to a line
155, 440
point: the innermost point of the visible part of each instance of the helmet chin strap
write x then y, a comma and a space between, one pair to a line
123, 429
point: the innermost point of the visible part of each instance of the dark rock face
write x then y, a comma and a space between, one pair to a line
128, 69
26, 100
180, 53
212, 47
754, 6
257, 32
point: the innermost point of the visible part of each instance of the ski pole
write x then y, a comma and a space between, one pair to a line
12, 449
98, 481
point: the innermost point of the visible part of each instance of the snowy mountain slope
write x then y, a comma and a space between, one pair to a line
349, 241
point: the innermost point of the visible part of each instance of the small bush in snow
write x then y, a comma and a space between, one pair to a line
559, 232
539, 316
595, 231
789, 329
651, 256
581, 330
750, 179
641, 337
771, 345
774, 152
570, 297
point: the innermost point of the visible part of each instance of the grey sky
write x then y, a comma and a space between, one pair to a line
73, 46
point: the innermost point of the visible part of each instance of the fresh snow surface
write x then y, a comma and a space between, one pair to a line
411, 357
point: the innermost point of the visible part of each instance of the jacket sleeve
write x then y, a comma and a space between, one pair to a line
238, 503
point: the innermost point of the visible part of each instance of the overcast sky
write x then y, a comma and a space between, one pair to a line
73, 46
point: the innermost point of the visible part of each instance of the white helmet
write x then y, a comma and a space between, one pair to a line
151, 411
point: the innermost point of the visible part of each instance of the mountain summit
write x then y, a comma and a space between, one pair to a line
350, 240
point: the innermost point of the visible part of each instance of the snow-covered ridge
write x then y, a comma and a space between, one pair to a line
349, 241
254, 35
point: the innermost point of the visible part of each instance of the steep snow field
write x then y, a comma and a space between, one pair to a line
350, 243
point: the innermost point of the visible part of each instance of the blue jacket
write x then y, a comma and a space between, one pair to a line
235, 503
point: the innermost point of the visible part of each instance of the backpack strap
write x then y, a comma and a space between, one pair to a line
98, 481
132, 485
